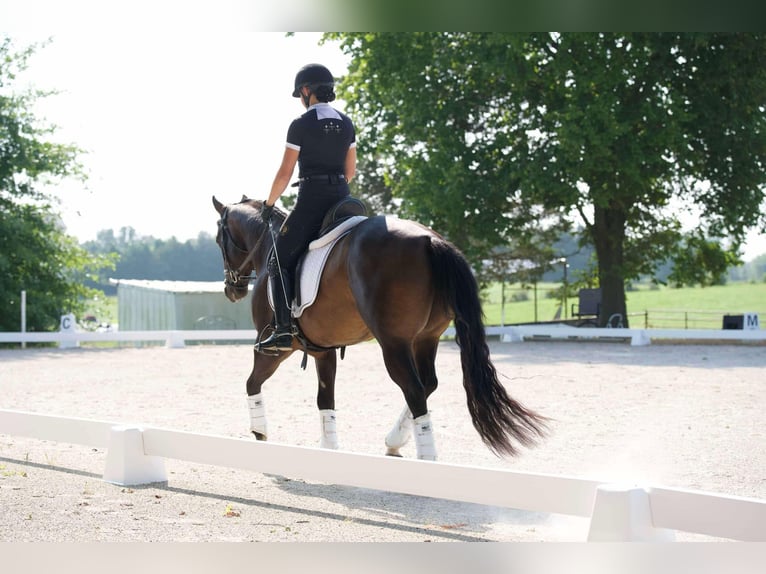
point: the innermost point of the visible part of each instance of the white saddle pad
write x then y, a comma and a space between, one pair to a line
313, 264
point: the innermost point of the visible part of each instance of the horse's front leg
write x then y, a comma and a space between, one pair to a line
263, 367
326, 367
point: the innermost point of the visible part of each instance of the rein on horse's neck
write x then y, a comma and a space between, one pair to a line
258, 254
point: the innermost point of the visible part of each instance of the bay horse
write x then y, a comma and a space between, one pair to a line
400, 283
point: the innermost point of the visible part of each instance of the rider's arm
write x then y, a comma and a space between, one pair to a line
284, 173
350, 167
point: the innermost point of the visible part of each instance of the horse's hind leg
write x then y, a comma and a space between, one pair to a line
400, 364
400, 433
425, 359
326, 366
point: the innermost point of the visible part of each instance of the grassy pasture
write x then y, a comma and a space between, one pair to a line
689, 307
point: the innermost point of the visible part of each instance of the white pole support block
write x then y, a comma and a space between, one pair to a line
640, 339
126, 462
512, 336
623, 514
175, 340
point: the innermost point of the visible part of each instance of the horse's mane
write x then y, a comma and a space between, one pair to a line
279, 214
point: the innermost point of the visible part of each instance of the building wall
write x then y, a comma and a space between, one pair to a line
178, 305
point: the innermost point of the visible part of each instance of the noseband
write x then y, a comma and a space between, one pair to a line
233, 277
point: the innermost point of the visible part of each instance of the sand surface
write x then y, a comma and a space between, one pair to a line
688, 416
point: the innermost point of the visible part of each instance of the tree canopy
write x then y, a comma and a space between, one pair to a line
497, 139
141, 257
36, 255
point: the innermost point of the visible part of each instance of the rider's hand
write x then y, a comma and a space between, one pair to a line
266, 212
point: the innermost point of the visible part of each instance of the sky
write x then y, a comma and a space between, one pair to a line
167, 118
173, 102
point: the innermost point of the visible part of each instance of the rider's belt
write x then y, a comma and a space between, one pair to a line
333, 178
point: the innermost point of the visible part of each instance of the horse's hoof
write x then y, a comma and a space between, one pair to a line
393, 452
259, 435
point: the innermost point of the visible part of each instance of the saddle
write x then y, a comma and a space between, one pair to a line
341, 211
338, 221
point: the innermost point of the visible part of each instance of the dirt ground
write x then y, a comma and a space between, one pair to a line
689, 416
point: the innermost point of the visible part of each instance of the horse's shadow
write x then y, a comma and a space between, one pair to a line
445, 519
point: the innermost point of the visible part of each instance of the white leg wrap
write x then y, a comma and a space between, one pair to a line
329, 438
400, 434
257, 414
424, 438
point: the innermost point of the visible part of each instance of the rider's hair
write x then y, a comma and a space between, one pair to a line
324, 92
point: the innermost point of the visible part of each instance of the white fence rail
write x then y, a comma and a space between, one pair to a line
135, 455
170, 338
637, 337
521, 333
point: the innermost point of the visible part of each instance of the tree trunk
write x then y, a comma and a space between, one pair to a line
608, 233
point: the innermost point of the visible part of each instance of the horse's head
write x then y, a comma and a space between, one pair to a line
240, 230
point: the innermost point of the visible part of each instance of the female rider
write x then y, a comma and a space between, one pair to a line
323, 143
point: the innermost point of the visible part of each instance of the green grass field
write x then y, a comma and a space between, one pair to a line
690, 307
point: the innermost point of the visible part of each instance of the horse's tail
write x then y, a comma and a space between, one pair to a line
497, 417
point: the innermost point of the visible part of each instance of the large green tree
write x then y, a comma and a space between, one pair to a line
495, 137
36, 255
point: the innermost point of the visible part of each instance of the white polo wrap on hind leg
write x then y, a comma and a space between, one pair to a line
400, 434
424, 438
257, 414
329, 437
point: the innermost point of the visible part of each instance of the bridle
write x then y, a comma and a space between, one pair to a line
233, 277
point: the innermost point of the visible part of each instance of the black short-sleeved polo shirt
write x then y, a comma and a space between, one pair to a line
323, 136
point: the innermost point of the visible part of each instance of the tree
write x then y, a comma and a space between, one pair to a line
429, 128
139, 257
493, 137
35, 253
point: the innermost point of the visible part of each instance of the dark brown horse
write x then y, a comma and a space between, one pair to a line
395, 281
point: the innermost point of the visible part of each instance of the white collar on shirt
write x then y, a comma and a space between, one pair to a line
325, 111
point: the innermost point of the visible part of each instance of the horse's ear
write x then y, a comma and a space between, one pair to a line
219, 207
244, 198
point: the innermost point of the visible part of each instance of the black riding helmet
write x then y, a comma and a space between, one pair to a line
312, 75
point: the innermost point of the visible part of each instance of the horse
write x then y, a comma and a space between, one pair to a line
388, 279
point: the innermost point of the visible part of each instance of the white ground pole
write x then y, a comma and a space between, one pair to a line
618, 512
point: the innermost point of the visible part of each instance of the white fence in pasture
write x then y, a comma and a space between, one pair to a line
636, 337
135, 455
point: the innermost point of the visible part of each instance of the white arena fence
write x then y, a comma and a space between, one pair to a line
136, 455
508, 334
175, 339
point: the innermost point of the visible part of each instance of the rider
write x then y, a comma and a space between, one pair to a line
323, 143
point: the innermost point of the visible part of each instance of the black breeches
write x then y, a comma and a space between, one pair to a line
303, 224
